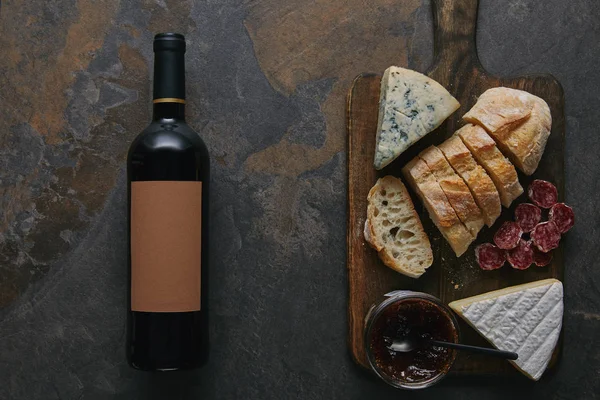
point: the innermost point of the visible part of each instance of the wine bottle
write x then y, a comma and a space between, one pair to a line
168, 178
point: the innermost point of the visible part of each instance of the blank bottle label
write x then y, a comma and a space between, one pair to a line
166, 221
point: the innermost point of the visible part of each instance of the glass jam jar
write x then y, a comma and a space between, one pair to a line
421, 316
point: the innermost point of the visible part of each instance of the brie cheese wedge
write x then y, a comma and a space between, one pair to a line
410, 106
525, 319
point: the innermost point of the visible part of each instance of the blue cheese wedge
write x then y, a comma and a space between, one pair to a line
525, 319
410, 106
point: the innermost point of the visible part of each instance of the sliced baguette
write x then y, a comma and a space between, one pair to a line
483, 189
499, 108
524, 145
518, 121
502, 172
455, 189
394, 229
423, 182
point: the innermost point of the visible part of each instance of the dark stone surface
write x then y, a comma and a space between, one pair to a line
266, 82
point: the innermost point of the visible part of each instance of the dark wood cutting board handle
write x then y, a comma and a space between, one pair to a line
455, 26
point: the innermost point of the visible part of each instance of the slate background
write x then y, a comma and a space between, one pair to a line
266, 81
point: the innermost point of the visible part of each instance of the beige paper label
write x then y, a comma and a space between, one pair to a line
166, 222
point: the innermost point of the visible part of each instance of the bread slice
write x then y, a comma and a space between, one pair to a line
502, 172
525, 319
394, 229
423, 182
522, 140
480, 184
455, 189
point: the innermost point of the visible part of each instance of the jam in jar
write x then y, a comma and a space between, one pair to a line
421, 317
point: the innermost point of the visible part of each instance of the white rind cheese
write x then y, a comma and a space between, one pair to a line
410, 106
525, 319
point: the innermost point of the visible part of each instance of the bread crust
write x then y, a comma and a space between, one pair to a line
441, 212
518, 121
456, 190
499, 107
498, 167
480, 184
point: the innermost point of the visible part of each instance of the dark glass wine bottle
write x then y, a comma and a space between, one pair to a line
168, 178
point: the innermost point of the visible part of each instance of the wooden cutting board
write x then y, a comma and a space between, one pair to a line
458, 69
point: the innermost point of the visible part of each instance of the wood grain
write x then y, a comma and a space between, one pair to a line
457, 68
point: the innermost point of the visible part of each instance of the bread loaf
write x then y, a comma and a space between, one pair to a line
455, 189
518, 121
499, 168
483, 189
423, 182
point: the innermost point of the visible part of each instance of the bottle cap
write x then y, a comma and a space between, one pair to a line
169, 41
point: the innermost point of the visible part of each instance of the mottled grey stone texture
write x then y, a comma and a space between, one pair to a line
74, 92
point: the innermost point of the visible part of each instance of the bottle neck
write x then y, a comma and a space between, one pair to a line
168, 111
169, 80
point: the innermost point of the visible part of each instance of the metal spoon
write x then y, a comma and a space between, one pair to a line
412, 342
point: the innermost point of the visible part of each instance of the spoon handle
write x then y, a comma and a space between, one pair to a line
509, 355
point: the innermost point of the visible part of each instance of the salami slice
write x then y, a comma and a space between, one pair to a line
521, 257
508, 235
489, 257
541, 259
562, 215
527, 216
542, 193
545, 236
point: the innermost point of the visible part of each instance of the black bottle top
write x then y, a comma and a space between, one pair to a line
169, 68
